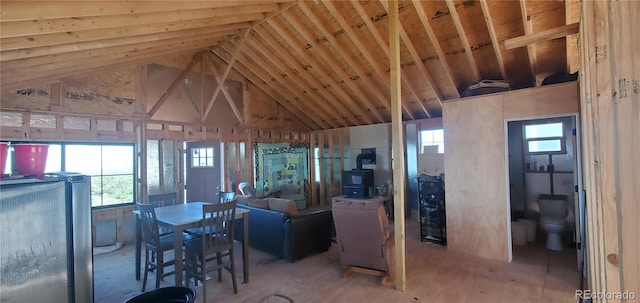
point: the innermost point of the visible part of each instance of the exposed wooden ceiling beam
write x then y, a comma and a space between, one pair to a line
382, 75
43, 10
261, 82
434, 42
61, 60
306, 97
289, 60
531, 49
463, 38
494, 38
111, 33
302, 98
225, 74
385, 48
283, 89
179, 79
374, 88
317, 94
23, 53
545, 35
169, 19
284, 60
416, 57
87, 65
319, 67
283, 8
330, 61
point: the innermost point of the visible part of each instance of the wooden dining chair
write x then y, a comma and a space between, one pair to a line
223, 197
155, 246
161, 200
214, 250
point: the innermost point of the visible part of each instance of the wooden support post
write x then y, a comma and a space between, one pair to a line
610, 115
398, 146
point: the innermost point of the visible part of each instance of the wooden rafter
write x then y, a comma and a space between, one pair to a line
305, 97
260, 81
62, 60
545, 35
494, 38
385, 48
434, 42
282, 90
382, 75
225, 74
328, 59
289, 61
366, 80
283, 8
463, 38
317, 95
317, 66
59, 47
42, 10
196, 58
531, 49
103, 33
416, 57
107, 62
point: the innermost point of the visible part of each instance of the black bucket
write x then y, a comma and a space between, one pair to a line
172, 294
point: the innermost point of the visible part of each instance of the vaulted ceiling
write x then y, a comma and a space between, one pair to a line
327, 62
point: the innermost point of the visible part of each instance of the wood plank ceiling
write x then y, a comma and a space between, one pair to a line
324, 61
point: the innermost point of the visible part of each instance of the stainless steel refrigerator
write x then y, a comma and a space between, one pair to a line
45, 239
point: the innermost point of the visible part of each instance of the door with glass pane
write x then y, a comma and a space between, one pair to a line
203, 167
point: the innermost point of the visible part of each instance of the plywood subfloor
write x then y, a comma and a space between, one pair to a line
433, 275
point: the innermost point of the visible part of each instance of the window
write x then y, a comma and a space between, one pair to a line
433, 137
202, 157
544, 138
111, 167
316, 163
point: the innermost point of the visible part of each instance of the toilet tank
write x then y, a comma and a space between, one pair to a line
553, 206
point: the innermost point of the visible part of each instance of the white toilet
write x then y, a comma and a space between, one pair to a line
553, 218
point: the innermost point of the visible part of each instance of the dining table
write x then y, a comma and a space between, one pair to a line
179, 218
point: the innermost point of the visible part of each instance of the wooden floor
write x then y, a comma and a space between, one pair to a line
433, 275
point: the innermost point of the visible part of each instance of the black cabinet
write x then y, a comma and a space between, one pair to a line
432, 210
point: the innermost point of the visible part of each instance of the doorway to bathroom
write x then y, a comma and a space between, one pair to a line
544, 183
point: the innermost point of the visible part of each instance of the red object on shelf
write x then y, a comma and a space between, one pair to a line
4, 148
30, 159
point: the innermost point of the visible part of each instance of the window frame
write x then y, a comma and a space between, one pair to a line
209, 157
63, 166
435, 143
562, 139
